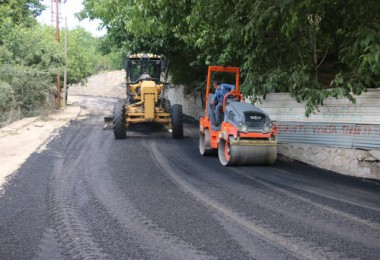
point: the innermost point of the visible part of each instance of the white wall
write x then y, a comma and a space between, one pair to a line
281, 107
191, 103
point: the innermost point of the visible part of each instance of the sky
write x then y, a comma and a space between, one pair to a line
69, 9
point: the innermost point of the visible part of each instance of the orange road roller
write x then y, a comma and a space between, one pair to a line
242, 133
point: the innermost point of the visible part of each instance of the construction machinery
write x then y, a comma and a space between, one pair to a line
145, 102
245, 134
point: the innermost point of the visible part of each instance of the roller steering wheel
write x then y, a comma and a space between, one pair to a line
233, 93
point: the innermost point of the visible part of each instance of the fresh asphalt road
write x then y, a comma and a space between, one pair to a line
88, 196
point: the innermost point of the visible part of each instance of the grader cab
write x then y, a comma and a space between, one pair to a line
145, 102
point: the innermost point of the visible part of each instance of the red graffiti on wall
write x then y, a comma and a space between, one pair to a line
289, 128
323, 129
351, 130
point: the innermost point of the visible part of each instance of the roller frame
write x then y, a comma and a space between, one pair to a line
251, 148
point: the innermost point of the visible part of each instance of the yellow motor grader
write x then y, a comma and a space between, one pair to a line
145, 102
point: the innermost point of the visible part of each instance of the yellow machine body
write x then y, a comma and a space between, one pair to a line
146, 81
146, 110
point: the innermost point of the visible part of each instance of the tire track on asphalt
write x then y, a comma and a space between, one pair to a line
289, 194
294, 215
298, 247
49, 246
159, 243
313, 191
72, 230
249, 241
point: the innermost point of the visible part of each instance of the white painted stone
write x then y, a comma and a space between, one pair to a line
370, 159
39, 124
339, 161
346, 162
375, 153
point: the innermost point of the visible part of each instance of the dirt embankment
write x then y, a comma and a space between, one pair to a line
107, 84
21, 138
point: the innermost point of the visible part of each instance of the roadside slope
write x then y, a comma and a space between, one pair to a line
22, 138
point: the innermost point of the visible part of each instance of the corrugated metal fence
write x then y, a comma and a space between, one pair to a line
330, 134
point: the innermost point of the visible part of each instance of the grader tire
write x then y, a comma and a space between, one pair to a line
165, 105
177, 121
119, 129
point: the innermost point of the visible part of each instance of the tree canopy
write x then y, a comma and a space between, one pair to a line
312, 49
30, 55
19, 12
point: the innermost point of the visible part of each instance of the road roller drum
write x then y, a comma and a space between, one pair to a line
246, 153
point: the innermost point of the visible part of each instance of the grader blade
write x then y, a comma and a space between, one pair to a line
108, 122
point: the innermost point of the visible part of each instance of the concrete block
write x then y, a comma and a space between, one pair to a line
375, 154
351, 162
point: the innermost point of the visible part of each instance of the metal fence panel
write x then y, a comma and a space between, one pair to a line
330, 134
368, 138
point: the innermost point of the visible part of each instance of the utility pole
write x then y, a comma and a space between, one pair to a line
65, 71
58, 101
52, 13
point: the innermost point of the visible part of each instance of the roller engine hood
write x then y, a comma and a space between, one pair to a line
251, 115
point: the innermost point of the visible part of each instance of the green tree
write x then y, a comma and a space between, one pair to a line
30, 55
86, 55
81, 53
18, 12
311, 49
28, 62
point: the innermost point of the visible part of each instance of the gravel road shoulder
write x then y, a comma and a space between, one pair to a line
22, 138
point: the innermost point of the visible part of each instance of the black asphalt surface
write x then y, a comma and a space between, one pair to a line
88, 196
